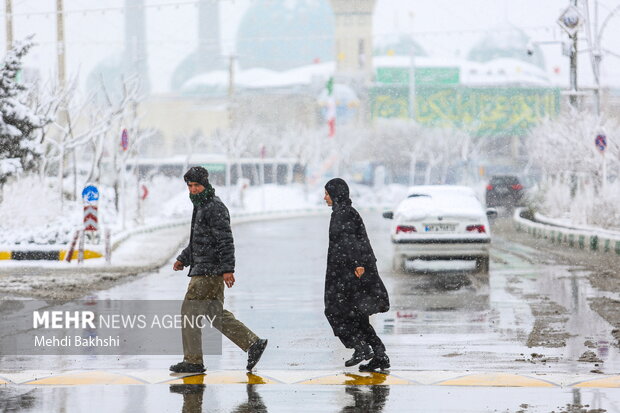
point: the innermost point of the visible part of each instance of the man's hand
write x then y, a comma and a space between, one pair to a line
359, 271
229, 279
178, 266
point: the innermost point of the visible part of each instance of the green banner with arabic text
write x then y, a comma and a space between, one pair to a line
490, 111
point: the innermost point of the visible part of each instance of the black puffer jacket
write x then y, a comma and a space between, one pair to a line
349, 247
211, 250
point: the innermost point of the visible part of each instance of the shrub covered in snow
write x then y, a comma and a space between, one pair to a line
20, 124
574, 185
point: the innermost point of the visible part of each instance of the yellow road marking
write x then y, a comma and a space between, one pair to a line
313, 377
232, 377
358, 379
496, 380
5, 255
94, 377
87, 255
613, 381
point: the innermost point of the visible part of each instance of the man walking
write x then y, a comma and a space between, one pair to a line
211, 258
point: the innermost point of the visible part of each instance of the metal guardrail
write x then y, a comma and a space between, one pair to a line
574, 238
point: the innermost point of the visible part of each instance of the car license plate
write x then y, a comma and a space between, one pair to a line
439, 227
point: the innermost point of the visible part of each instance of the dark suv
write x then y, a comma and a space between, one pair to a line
504, 191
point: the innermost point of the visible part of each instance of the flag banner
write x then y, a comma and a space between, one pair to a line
331, 108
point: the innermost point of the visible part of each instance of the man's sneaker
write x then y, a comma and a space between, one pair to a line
187, 388
379, 362
360, 354
255, 352
185, 367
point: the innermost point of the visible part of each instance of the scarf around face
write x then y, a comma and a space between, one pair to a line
203, 197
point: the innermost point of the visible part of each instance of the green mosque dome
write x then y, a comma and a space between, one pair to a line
195, 64
512, 43
107, 73
284, 34
110, 73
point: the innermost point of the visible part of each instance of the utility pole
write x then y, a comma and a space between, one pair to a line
594, 43
573, 67
412, 90
412, 98
231, 76
231, 93
62, 115
9, 23
60, 39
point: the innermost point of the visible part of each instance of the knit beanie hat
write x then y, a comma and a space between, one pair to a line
197, 174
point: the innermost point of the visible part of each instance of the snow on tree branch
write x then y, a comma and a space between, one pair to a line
21, 124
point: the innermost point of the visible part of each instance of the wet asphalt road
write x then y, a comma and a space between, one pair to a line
444, 316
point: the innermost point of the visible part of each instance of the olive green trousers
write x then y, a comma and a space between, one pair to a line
207, 289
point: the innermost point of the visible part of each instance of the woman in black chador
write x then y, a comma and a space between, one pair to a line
353, 289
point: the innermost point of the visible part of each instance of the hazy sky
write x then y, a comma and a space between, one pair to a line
445, 28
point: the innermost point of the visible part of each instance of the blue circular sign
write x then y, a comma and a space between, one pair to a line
600, 142
90, 194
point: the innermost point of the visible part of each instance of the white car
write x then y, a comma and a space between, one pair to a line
441, 222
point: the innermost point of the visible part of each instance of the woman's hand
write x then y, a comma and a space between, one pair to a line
359, 271
229, 279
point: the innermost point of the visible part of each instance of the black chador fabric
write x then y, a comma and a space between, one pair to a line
346, 296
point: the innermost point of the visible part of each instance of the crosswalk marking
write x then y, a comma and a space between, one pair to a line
308, 377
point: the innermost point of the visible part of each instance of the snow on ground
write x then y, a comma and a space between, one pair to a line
62, 280
31, 216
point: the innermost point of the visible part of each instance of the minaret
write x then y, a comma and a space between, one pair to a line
135, 56
209, 51
354, 38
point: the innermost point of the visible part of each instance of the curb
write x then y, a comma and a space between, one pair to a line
572, 238
45, 255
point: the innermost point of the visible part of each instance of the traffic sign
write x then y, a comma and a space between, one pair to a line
601, 142
571, 20
124, 139
90, 194
145, 192
91, 222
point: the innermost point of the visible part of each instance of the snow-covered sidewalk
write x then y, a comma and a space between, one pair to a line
148, 247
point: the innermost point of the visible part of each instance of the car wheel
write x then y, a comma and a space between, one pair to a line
482, 265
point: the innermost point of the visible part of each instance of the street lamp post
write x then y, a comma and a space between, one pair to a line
571, 20
573, 71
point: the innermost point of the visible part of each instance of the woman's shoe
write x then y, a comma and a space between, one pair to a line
360, 354
379, 362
